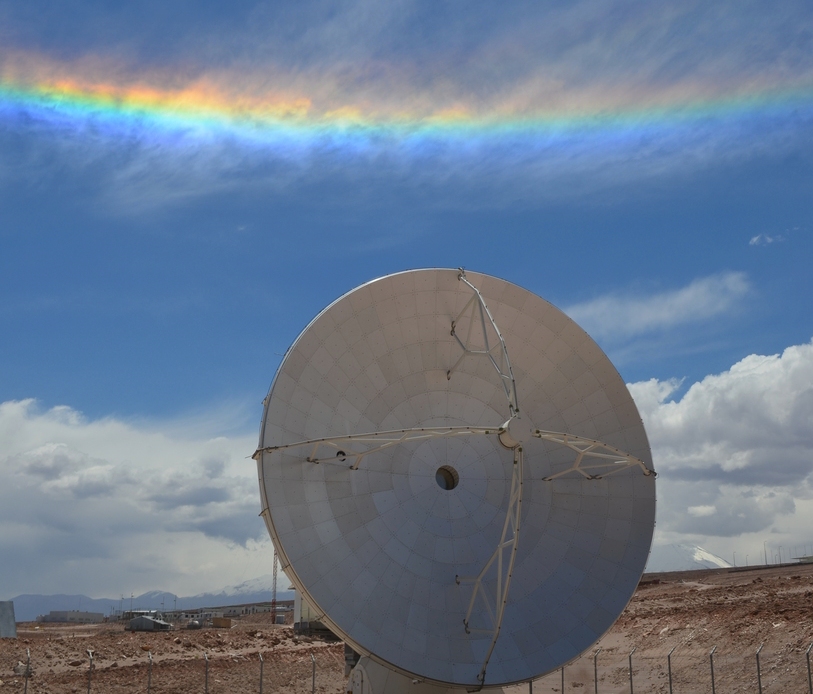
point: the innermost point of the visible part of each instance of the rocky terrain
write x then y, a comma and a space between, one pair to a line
687, 614
121, 659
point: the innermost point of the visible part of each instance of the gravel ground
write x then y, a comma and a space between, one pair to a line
690, 612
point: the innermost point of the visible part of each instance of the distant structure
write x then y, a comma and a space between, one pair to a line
805, 560
306, 619
284, 607
72, 617
148, 624
8, 626
128, 615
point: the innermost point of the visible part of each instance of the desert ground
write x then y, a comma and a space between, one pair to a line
686, 613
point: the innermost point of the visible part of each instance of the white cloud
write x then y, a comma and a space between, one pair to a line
617, 316
765, 239
735, 452
105, 506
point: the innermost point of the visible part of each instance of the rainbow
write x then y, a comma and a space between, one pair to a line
204, 111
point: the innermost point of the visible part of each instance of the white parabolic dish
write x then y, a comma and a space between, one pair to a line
463, 509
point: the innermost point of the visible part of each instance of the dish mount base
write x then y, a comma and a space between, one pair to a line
368, 677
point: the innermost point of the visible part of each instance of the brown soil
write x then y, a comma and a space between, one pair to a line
690, 612
60, 662
735, 610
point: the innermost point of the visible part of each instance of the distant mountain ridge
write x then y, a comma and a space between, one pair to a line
677, 557
674, 557
28, 607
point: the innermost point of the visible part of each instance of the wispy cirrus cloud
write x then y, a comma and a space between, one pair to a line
765, 239
496, 105
622, 316
412, 57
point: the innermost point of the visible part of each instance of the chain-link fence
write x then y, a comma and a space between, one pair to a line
306, 671
683, 670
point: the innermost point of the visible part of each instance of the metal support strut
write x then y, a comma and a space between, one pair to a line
493, 349
503, 563
373, 442
609, 459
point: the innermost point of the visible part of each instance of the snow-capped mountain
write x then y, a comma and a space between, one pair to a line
254, 590
255, 585
682, 558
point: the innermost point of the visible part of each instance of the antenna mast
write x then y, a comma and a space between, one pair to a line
274, 589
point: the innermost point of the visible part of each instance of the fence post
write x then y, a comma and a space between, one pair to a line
711, 663
149, 673
90, 669
809, 679
313, 675
28, 667
530, 687
206, 681
631, 652
262, 662
759, 672
595, 668
669, 667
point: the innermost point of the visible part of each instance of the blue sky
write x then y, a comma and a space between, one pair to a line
152, 275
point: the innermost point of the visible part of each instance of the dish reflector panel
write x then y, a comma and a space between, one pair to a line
457, 477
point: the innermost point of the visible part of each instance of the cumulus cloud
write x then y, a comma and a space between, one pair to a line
114, 493
618, 316
90, 504
735, 452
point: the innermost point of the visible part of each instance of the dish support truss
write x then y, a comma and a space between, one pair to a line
594, 460
492, 349
606, 458
503, 563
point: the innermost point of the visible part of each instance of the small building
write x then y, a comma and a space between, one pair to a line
148, 624
127, 615
8, 626
306, 618
72, 617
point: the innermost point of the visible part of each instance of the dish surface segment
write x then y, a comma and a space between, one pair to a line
410, 515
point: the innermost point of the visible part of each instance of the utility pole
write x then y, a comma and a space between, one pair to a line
274, 590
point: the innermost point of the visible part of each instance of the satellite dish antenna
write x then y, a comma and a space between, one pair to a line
457, 480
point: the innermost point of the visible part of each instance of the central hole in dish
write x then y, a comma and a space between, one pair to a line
447, 477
